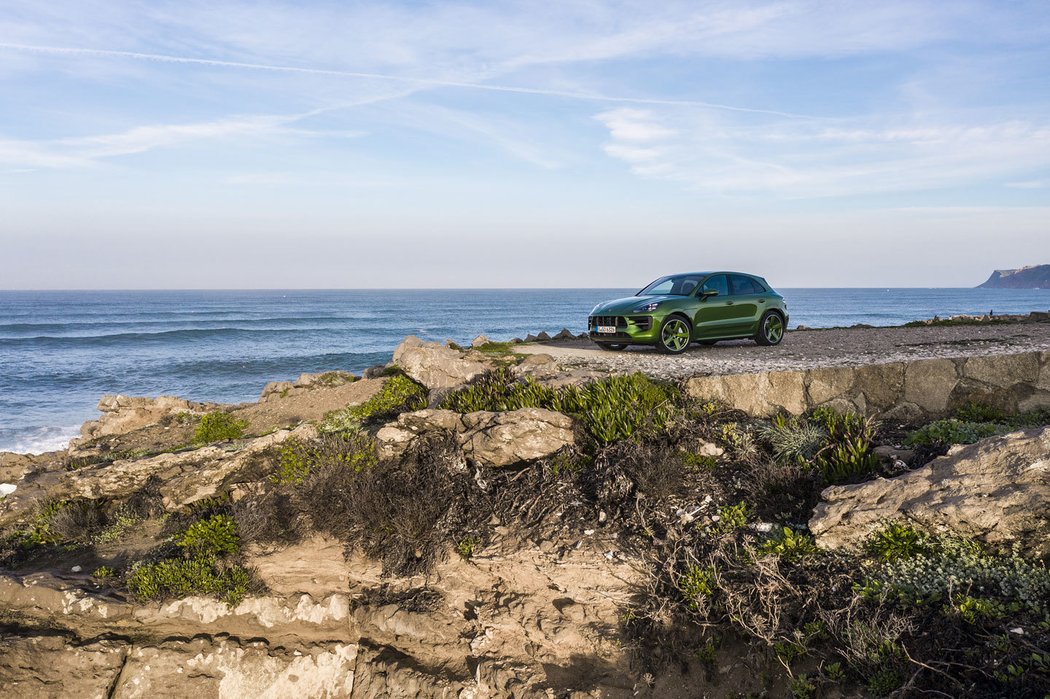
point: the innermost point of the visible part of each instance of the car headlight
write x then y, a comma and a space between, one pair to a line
647, 308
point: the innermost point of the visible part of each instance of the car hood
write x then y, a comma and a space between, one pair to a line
628, 304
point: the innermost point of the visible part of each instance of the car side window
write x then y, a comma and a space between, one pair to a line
663, 287
742, 285
716, 283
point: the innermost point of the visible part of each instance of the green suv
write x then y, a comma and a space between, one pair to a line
700, 307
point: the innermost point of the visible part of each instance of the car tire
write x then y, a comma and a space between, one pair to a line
770, 329
675, 335
611, 347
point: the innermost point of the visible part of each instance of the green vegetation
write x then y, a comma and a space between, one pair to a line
933, 572
204, 566
612, 409
696, 585
398, 394
847, 454
218, 426
794, 438
182, 577
974, 422
731, 518
467, 546
297, 459
788, 544
897, 541
211, 537
41, 530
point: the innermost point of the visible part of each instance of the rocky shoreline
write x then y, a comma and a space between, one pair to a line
544, 519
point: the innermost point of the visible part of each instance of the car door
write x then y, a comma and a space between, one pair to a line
746, 297
713, 313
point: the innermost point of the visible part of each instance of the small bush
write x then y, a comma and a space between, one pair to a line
697, 584
788, 545
352, 449
211, 537
731, 518
794, 438
41, 531
204, 568
952, 431
467, 546
897, 541
182, 577
847, 454
612, 409
218, 426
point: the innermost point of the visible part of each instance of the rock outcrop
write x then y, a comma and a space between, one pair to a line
487, 438
996, 491
436, 366
1031, 277
275, 390
123, 414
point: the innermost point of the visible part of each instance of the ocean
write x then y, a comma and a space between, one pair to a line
61, 350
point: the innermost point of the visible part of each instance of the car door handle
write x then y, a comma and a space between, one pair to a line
729, 303
761, 300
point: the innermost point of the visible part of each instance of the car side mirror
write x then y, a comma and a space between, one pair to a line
707, 293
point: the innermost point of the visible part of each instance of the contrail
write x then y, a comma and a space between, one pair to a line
568, 94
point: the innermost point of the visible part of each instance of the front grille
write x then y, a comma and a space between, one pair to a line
616, 321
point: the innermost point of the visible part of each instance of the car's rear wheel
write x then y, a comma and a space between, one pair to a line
770, 329
675, 335
612, 347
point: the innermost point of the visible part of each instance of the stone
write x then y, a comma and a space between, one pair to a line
761, 394
996, 491
14, 466
880, 384
531, 338
823, 385
1002, 371
504, 439
487, 438
543, 336
710, 449
438, 367
929, 384
375, 372
564, 334
479, 341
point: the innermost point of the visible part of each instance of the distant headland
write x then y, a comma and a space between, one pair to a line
1031, 277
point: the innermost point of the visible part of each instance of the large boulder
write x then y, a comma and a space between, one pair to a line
487, 438
997, 491
436, 366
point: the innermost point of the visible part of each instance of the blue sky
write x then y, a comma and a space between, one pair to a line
452, 144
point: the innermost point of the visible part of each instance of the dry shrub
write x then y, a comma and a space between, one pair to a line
79, 520
147, 501
403, 513
272, 518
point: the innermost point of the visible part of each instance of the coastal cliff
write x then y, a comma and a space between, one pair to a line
1031, 277
510, 520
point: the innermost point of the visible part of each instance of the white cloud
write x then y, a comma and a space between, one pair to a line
809, 159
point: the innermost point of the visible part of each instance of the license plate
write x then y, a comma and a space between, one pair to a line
607, 329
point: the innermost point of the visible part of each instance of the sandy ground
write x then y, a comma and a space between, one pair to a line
803, 349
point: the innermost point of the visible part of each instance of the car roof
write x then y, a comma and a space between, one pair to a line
710, 272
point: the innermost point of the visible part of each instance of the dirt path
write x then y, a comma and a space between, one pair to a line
803, 349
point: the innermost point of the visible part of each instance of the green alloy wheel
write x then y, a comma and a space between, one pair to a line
675, 335
679, 309
771, 329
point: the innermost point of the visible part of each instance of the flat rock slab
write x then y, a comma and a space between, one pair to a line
804, 349
996, 491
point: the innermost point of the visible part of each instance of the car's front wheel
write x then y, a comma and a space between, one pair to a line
770, 329
675, 335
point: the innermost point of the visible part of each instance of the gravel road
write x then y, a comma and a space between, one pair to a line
805, 349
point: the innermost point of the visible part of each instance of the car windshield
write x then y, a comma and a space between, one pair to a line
676, 285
